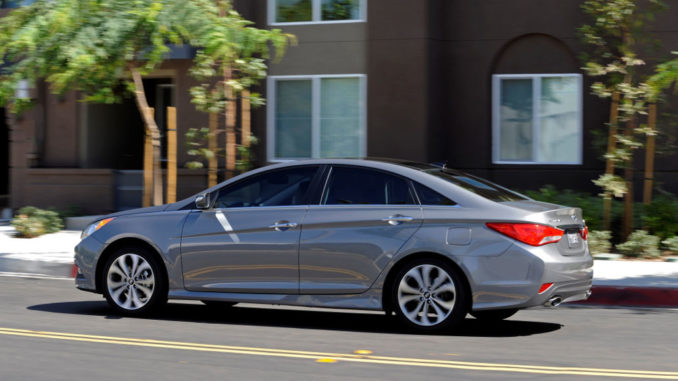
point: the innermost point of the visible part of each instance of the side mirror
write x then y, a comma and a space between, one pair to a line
202, 201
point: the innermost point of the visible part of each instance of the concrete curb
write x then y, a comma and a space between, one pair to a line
625, 296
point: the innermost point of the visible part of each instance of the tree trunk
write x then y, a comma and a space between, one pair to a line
649, 154
152, 130
611, 146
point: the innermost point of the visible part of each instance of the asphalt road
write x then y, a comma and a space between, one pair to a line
51, 331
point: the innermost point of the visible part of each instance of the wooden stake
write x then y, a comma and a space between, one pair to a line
245, 120
628, 177
611, 146
171, 155
147, 198
230, 128
649, 154
212, 162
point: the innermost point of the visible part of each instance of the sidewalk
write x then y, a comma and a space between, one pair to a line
615, 283
50, 255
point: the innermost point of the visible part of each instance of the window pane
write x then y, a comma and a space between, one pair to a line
340, 9
340, 132
428, 196
515, 120
363, 186
293, 10
293, 119
477, 185
277, 188
559, 120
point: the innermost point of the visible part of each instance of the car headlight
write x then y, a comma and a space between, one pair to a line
95, 226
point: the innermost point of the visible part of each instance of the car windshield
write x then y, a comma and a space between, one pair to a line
481, 187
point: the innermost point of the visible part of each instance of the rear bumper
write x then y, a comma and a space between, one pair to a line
571, 278
562, 292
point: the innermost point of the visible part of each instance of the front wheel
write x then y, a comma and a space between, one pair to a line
133, 282
428, 295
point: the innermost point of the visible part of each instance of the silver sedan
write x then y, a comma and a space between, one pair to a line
426, 243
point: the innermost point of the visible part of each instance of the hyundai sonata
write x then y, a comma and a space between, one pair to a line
426, 243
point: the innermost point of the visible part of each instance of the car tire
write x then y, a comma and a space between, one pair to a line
133, 281
429, 295
494, 315
218, 304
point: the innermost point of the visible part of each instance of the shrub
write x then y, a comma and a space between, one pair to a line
671, 244
599, 241
32, 222
640, 244
660, 217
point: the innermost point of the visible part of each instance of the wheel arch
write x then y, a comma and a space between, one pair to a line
123, 242
402, 262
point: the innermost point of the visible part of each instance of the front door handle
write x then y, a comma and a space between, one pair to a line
283, 225
397, 219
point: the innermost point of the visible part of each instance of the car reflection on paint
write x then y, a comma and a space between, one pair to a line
426, 243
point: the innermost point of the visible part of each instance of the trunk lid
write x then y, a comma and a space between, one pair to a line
568, 219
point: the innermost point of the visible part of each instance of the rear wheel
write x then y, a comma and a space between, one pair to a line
133, 281
428, 295
494, 315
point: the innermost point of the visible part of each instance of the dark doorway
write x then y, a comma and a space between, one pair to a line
114, 138
4, 160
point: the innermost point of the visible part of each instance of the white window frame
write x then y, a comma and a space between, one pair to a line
316, 15
271, 83
536, 111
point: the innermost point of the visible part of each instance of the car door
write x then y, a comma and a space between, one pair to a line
364, 217
248, 241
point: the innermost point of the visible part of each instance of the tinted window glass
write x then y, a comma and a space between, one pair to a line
276, 188
364, 186
428, 196
476, 185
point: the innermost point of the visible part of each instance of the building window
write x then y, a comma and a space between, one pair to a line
15, 3
316, 117
537, 118
315, 11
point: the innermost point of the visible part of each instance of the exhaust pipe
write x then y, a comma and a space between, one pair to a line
554, 301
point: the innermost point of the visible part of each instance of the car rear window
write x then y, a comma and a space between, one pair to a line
477, 185
428, 196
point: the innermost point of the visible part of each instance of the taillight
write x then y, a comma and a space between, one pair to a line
531, 234
584, 232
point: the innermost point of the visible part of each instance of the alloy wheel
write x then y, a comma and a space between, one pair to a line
130, 281
426, 295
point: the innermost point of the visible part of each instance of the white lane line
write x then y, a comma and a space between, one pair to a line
227, 226
35, 276
56, 257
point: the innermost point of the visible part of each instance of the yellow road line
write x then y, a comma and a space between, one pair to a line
347, 357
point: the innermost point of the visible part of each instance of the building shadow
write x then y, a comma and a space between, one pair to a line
354, 321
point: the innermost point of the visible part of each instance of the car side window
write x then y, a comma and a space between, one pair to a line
360, 186
428, 196
275, 188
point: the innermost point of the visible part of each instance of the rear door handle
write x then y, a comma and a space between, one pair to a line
397, 219
283, 225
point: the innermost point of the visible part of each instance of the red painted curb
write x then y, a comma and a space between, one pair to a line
632, 296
